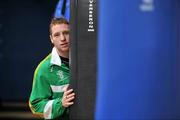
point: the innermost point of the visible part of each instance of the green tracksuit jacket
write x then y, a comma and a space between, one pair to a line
50, 78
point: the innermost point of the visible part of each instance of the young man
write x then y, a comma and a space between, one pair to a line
50, 96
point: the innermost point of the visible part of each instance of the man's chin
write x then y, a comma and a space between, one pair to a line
64, 49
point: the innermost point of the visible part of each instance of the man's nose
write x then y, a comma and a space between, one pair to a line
62, 37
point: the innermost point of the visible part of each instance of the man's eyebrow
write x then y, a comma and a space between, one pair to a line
56, 33
66, 31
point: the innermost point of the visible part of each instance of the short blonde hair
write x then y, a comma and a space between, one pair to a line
56, 21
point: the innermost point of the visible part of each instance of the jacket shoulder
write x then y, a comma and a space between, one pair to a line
44, 64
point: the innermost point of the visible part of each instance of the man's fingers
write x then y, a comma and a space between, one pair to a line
70, 103
69, 99
71, 95
69, 91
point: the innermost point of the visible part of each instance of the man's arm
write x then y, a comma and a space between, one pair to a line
40, 100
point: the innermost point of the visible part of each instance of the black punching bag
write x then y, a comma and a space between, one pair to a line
83, 36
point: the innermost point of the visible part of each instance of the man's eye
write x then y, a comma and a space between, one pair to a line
66, 32
56, 35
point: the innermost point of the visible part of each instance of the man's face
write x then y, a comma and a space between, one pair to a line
60, 37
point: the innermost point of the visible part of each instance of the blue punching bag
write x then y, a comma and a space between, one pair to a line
67, 11
138, 60
63, 9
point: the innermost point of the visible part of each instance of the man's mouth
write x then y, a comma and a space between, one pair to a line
64, 44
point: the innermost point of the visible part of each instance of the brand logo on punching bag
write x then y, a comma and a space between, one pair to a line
147, 5
91, 24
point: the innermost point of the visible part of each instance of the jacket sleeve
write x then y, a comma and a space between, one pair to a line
40, 101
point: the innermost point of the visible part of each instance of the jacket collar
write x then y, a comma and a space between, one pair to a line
55, 59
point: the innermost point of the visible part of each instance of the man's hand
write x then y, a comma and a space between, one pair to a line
67, 98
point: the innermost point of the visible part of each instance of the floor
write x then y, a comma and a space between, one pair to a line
16, 111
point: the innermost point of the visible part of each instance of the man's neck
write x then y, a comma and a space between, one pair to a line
63, 54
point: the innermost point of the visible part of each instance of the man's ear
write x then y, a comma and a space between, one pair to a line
51, 38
